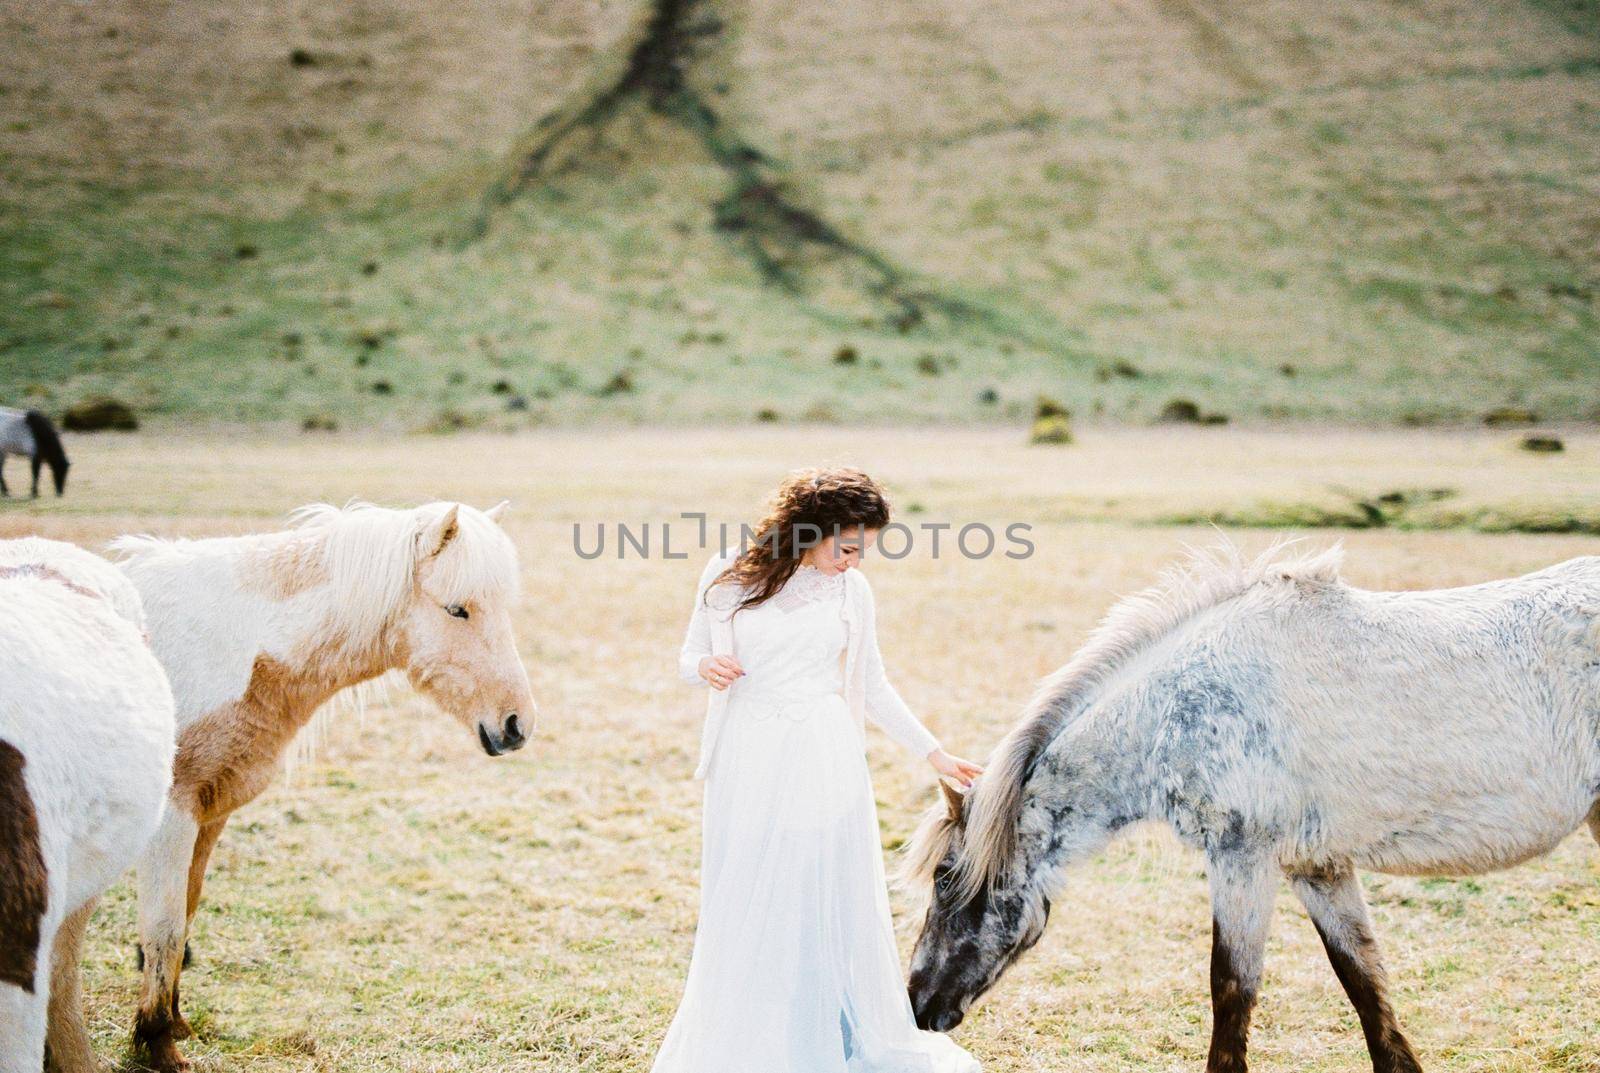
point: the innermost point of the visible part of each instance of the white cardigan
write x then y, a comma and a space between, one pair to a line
867, 689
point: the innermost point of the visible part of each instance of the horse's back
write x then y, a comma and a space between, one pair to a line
1454, 729
1514, 639
75, 567
15, 435
1511, 640
202, 621
88, 710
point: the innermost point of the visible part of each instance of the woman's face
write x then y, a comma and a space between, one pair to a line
836, 554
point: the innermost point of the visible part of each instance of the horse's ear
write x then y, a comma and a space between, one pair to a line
495, 512
436, 535
953, 800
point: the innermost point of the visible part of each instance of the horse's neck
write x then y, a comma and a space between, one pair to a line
1091, 781
306, 687
267, 637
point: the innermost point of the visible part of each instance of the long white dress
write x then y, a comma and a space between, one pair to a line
795, 968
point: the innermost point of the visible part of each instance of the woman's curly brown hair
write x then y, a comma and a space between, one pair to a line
810, 506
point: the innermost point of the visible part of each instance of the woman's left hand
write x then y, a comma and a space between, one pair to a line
959, 771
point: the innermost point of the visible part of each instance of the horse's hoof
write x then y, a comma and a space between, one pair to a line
166, 1058
155, 1035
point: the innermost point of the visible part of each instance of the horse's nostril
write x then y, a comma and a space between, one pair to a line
513, 732
947, 1020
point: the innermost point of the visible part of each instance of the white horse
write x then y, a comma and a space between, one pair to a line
86, 743
1280, 721
256, 632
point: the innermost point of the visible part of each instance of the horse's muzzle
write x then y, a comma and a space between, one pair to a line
511, 737
931, 1015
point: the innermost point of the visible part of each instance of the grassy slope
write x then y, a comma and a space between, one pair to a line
406, 904
1354, 210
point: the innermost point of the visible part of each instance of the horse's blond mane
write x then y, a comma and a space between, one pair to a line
1204, 579
369, 556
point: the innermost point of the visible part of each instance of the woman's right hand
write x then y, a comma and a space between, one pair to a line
720, 671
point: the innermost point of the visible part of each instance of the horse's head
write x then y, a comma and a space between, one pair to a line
979, 921
454, 636
47, 445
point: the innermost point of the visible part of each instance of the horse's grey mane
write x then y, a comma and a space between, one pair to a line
1203, 580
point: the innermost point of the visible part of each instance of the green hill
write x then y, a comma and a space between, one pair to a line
1356, 210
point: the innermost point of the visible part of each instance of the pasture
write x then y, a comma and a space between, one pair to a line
399, 901
1353, 210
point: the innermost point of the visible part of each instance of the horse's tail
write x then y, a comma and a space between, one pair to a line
48, 446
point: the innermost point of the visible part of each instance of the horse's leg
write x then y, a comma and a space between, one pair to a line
1242, 887
37, 463
24, 1013
4, 491
163, 882
1339, 910
69, 1048
204, 842
22, 1021
1594, 821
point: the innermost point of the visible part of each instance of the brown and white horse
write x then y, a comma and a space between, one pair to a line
86, 731
256, 632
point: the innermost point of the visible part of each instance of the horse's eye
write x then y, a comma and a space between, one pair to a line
943, 883
456, 611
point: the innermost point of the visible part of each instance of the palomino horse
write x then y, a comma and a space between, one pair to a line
29, 432
86, 739
1279, 720
257, 632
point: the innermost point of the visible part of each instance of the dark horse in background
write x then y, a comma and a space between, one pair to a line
29, 432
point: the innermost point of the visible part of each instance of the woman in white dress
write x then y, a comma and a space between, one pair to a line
794, 967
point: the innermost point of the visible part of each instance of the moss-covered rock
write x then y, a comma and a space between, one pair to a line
102, 414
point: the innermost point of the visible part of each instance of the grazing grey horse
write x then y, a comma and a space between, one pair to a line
29, 432
1281, 721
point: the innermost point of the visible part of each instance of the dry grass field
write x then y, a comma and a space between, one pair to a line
401, 902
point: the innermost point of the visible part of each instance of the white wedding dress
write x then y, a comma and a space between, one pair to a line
795, 968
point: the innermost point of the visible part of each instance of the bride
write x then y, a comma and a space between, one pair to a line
795, 968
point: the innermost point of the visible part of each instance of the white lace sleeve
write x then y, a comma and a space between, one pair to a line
697, 640
884, 704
